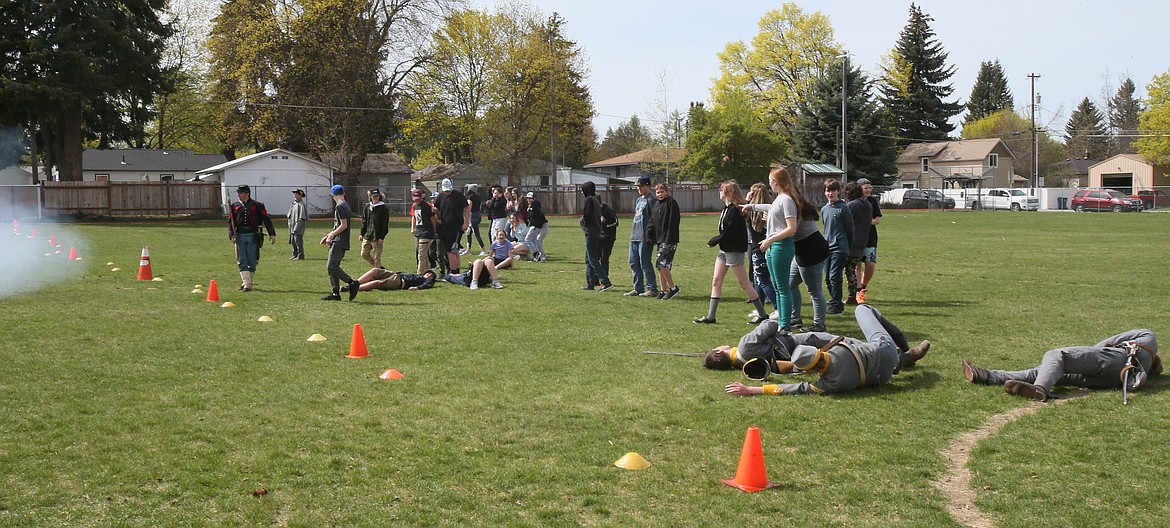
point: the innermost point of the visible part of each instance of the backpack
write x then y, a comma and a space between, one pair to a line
609, 219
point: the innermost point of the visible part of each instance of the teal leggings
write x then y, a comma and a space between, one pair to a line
779, 258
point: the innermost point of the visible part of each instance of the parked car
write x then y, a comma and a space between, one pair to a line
1152, 198
917, 199
1104, 200
938, 199
1006, 199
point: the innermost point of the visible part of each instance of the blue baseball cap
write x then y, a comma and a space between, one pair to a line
337, 189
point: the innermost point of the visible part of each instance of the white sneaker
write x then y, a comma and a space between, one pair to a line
464, 251
496, 284
475, 285
775, 316
482, 253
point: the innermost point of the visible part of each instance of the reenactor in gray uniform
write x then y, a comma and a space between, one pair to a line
1100, 366
844, 363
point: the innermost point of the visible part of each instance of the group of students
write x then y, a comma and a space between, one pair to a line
788, 249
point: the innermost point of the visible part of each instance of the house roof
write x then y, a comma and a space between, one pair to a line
650, 155
246, 159
388, 163
438, 172
180, 160
820, 168
1133, 157
963, 150
1080, 166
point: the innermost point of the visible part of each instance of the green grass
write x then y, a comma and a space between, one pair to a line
129, 403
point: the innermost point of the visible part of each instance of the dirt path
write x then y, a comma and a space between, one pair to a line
955, 484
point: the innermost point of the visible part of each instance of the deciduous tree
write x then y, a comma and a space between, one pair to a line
1155, 122
774, 74
1014, 130
730, 141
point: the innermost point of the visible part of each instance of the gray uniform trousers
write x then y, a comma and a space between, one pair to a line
1094, 367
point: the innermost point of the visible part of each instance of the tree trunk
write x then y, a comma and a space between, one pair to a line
69, 141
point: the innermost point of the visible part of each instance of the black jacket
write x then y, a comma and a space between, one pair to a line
375, 221
732, 237
666, 217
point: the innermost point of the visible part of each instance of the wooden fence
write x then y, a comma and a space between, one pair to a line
132, 198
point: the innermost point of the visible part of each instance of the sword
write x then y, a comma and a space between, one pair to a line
683, 354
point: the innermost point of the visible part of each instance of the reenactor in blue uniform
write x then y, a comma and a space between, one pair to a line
244, 221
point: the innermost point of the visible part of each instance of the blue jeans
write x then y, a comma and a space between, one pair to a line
594, 272
811, 277
837, 260
760, 275
642, 264
473, 229
247, 252
780, 256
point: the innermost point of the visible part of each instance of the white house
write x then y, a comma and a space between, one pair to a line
273, 175
144, 164
13, 175
564, 176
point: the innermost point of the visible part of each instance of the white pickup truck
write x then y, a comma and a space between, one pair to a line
1006, 199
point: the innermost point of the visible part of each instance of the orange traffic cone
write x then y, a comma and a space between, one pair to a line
52, 240
72, 253
751, 476
34, 233
357, 344
212, 292
144, 273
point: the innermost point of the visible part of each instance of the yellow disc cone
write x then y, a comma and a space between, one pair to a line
265, 319
228, 304
156, 279
632, 461
109, 263
196, 290
316, 337
115, 269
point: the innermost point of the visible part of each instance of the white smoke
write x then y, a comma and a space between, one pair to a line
30, 263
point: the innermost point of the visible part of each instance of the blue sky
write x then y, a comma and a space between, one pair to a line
1077, 47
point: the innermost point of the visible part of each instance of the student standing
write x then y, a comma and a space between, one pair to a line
777, 245
733, 245
537, 229
666, 219
338, 242
375, 226
642, 243
591, 225
422, 226
839, 234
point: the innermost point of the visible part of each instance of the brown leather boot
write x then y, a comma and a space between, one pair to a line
975, 374
914, 354
1027, 390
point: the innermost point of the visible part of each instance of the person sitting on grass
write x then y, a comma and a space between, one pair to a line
503, 251
380, 279
1100, 366
844, 364
475, 277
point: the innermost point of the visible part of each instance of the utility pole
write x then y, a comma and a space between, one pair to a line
1035, 138
844, 119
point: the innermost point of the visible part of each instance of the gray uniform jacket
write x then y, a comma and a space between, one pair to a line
297, 215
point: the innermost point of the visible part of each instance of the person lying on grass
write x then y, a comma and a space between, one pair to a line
380, 279
844, 363
1101, 366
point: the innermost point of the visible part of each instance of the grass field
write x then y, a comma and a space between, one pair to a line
126, 403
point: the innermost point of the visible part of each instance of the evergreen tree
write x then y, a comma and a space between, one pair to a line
1124, 112
870, 146
1084, 135
913, 89
629, 136
990, 93
80, 68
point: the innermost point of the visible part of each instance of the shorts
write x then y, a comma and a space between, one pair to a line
870, 255
730, 258
665, 257
498, 260
450, 238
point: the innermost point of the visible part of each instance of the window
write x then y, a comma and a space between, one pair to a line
101, 177
993, 160
925, 165
167, 177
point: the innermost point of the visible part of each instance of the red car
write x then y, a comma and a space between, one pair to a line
1104, 200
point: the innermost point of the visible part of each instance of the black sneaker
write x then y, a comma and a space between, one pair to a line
331, 297
817, 328
797, 322
704, 320
671, 294
605, 287
353, 289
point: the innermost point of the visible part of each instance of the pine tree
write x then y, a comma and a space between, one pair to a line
76, 69
913, 90
1124, 112
870, 146
990, 93
1085, 135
